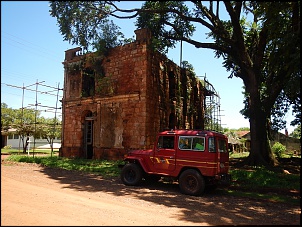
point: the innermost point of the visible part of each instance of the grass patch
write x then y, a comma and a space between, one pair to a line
101, 167
262, 196
31, 151
259, 177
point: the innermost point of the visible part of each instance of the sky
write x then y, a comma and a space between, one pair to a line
33, 49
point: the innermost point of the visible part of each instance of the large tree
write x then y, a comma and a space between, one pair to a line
259, 42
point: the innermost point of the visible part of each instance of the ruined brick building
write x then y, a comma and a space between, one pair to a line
119, 101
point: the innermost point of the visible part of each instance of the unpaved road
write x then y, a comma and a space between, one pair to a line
32, 195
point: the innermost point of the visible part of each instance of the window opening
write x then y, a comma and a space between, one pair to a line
172, 85
89, 132
198, 143
222, 146
185, 142
212, 144
88, 136
191, 143
88, 83
166, 142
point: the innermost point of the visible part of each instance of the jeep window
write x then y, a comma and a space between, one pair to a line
191, 143
198, 143
222, 146
185, 143
212, 144
166, 142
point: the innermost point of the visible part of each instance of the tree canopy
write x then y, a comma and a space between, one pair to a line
259, 42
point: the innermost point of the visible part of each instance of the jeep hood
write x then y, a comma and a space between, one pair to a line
140, 152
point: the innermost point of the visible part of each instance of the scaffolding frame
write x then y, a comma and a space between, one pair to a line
36, 104
212, 107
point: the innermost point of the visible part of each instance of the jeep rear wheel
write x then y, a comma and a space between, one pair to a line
131, 174
191, 182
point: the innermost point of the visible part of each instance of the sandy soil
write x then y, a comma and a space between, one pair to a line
33, 195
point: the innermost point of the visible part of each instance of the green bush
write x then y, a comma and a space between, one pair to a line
278, 149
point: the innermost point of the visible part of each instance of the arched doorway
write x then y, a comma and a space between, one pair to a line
88, 135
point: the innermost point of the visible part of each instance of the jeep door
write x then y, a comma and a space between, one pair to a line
164, 155
223, 156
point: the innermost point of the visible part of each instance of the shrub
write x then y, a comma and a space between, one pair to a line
278, 149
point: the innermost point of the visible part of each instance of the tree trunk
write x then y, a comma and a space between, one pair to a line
26, 145
51, 146
261, 153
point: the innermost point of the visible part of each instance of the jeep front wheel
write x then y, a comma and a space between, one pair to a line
131, 174
191, 182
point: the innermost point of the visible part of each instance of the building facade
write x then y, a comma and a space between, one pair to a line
118, 101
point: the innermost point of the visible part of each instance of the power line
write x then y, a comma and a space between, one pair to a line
21, 45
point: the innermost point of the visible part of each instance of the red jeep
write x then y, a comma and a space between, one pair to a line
194, 158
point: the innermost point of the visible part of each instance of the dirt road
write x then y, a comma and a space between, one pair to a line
33, 195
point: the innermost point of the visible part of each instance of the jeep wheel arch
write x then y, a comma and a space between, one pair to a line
131, 174
191, 182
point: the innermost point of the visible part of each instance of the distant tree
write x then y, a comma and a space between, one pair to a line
263, 51
24, 121
8, 117
244, 129
296, 133
25, 125
49, 129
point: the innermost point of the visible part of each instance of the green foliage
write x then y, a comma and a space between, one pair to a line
261, 177
278, 149
239, 155
31, 151
105, 86
297, 132
86, 23
102, 167
157, 23
73, 67
28, 122
8, 117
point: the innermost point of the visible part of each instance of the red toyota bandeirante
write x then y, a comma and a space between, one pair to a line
194, 158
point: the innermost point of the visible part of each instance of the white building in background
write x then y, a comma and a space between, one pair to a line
11, 138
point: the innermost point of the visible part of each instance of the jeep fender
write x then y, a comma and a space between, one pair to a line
139, 161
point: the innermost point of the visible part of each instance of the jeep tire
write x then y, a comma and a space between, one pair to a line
191, 182
131, 174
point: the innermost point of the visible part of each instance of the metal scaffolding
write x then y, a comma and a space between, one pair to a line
37, 104
212, 107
